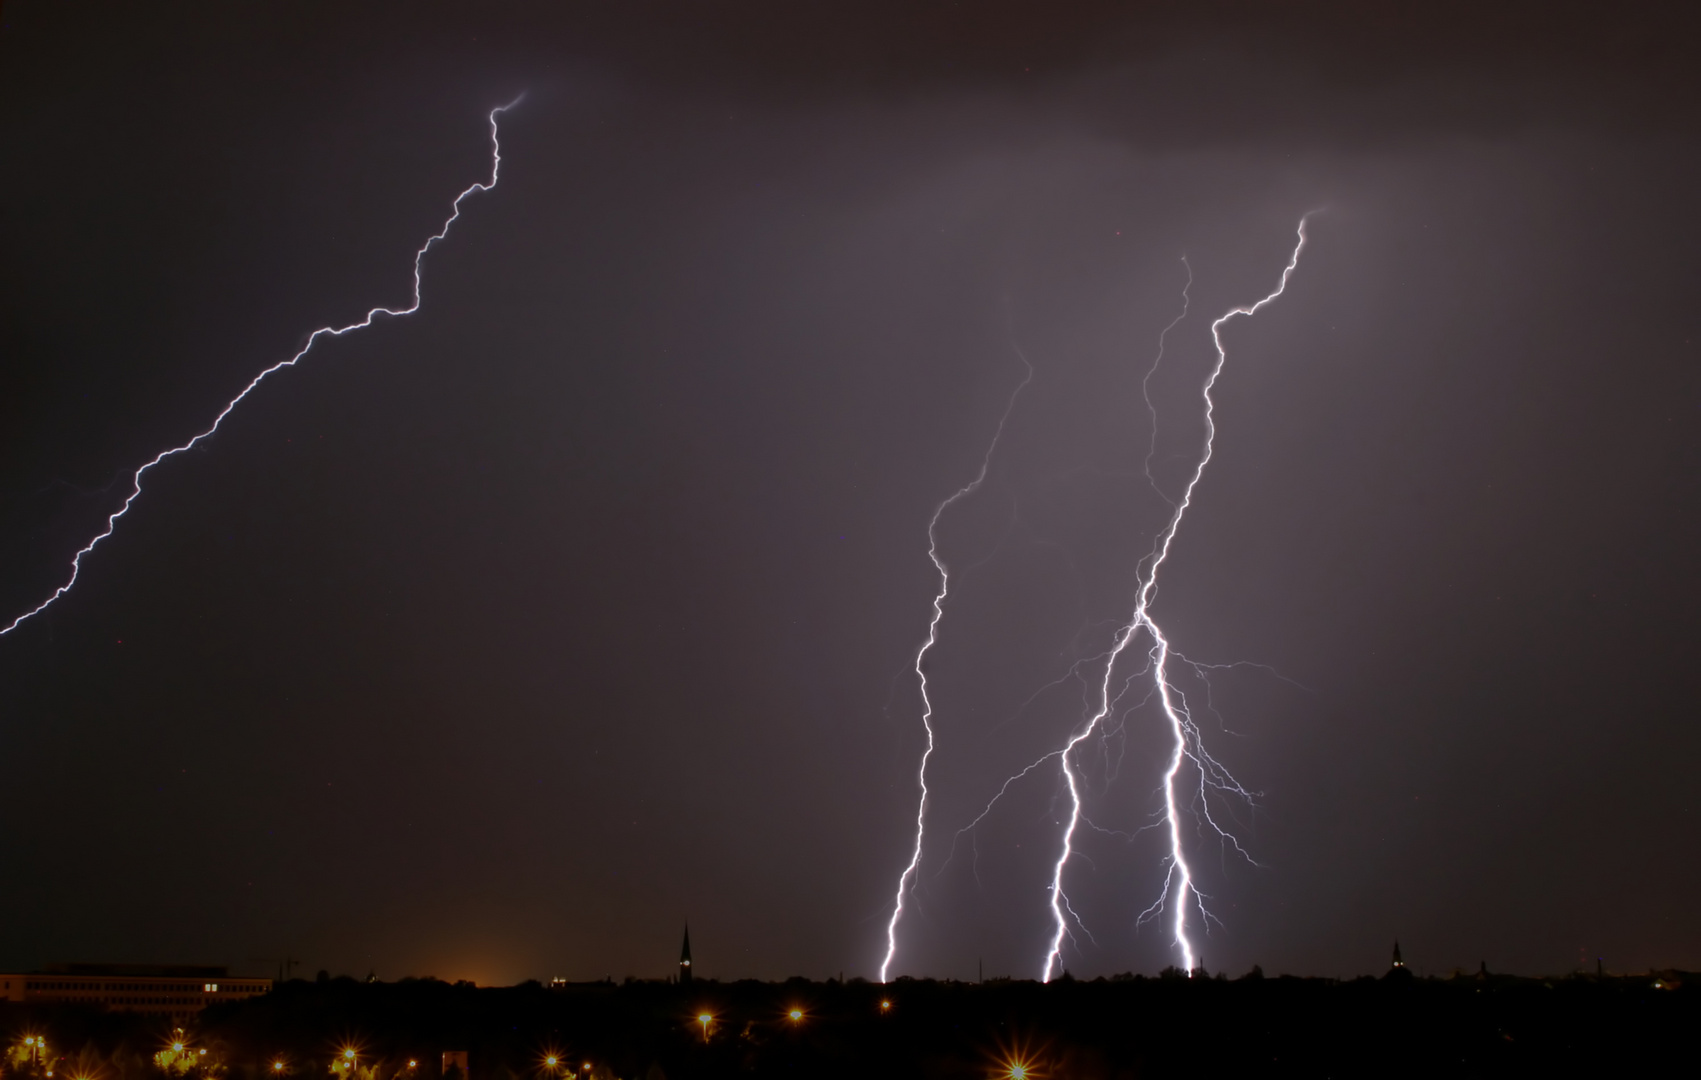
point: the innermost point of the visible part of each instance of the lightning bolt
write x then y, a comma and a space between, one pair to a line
313, 339
908, 876
1188, 745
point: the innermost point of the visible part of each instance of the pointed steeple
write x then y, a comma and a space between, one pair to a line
1398, 972
685, 957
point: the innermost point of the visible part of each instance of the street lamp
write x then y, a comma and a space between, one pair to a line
1018, 1066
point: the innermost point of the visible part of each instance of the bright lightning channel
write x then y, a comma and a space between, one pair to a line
324, 331
908, 876
1188, 744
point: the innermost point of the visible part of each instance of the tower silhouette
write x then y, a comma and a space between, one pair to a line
1399, 972
685, 957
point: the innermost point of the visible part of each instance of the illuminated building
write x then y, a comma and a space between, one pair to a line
1399, 972
177, 991
685, 957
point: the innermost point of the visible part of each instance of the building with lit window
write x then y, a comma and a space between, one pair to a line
178, 991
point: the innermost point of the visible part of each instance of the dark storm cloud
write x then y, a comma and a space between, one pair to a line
494, 641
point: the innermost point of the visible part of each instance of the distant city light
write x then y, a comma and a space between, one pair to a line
885, 1004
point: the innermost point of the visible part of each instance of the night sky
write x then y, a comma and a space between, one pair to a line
496, 641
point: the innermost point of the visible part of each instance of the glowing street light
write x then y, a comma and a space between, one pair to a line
795, 1015
705, 1019
1017, 1067
885, 1006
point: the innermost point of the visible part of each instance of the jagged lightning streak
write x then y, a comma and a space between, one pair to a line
1186, 735
324, 331
961, 493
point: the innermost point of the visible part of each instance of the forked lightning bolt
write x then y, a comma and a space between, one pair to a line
908, 876
1188, 745
324, 331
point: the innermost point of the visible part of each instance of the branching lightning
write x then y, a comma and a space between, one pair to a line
324, 331
1188, 745
908, 876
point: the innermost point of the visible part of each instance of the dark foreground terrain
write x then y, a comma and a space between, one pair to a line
1128, 1027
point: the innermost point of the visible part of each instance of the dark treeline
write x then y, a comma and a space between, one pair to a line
1124, 1027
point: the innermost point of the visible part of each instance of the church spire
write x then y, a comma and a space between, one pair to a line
685, 957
